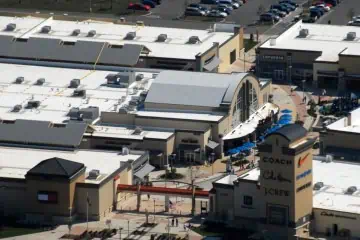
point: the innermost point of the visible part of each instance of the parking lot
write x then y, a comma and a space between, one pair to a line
340, 15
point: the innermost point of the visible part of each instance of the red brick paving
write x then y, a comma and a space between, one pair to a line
297, 100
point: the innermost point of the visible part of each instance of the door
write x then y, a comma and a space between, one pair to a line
190, 157
232, 56
335, 229
279, 75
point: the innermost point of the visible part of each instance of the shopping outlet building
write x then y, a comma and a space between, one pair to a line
290, 195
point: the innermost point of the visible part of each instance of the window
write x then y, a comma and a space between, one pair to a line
47, 197
233, 56
248, 200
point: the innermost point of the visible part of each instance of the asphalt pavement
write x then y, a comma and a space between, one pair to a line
340, 15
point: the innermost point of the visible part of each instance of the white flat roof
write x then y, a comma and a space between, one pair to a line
228, 180
342, 124
209, 117
252, 175
249, 126
15, 162
127, 132
54, 95
337, 178
175, 45
329, 39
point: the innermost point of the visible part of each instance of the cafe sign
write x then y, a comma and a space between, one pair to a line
326, 214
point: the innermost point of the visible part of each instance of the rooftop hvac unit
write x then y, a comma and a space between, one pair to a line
11, 27
19, 80
304, 32
351, 36
123, 109
91, 33
17, 108
318, 185
74, 113
351, 190
194, 39
45, 29
79, 93
75, 32
137, 131
125, 151
94, 174
139, 77
40, 81
130, 36
74, 83
154, 75
33, 104
162, 37
272, 41
328, 158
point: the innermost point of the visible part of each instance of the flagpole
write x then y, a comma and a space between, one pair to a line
87, 211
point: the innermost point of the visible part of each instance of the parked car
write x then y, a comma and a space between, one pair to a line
290, 7
210, 1
309, 19
138, 6
315, 12
332, 2
277, 12
289, 2
234, 5
280, 8
354, 23
201, 8
322, 11
240, 2
322, 6
223, 9
217, 14
190, 11
269, 17
149, 3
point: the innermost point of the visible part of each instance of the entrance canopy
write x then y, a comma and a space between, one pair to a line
145, 170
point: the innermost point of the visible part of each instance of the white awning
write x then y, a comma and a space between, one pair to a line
212, 65
145, 170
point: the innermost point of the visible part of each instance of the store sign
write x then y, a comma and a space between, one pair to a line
326, 214
273, 57
306, 185
276, 192
271, 175
277, 161
303, 175
302, 160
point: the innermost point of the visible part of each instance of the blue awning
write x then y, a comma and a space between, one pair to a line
286, 111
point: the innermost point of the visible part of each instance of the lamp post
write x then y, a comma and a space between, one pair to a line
90, 6
120, 228
212, 162
128, 228
303, 87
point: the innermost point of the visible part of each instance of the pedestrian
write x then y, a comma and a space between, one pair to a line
148, 196
172, 222
177, 222
329, 22
184, 227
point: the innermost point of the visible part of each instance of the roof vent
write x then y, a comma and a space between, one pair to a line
94, 174
137, 131
328, 158
304, 32
154, 75
11, 27
91, 33
33, 104
17, 108
318, 186
351, 190
74, 113
74, 83
162, 37
194, 40
79, 93
40, 81
19, 80
75, 32
351, 36
45, 29
130, 36
125, 151
272, 41
139, 77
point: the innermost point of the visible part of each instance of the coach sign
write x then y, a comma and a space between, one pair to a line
277, 161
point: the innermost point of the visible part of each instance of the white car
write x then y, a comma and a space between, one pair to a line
235, 5
323, 6
216, 13
354, 23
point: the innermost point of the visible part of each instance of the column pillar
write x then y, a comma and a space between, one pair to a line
167, 200
341, 80
138, 204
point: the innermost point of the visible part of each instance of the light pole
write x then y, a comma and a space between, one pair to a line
128, 228
120, 228
303, 87
212, 162
90, 6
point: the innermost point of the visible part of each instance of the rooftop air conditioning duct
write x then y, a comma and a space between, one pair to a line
33, 104
40, 81
304, 32
272, 41
75, 32
45, 29
194, 39
139, 77
79, 93
351, 190
125, 151
94, 174
11, 27
162, 38
351, 36
318, 185
91, 33
130, 36
19, 80
17, 108
74, 83
137, 131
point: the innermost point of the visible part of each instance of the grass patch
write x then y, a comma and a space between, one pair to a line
172, 176
7, 232
213, 229
249, 44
